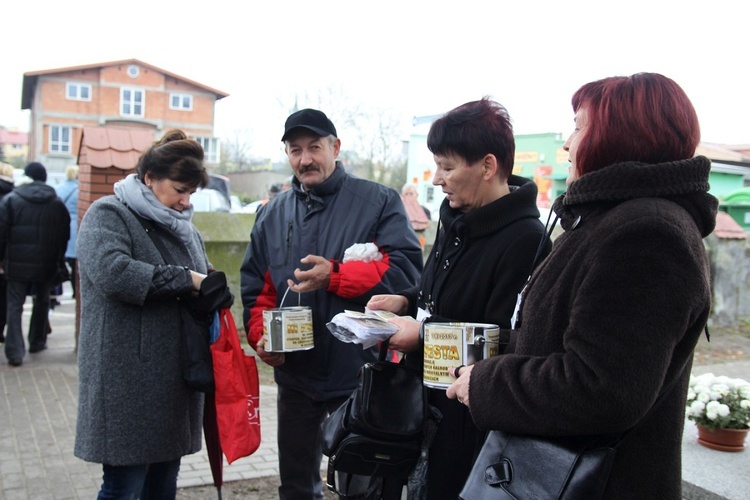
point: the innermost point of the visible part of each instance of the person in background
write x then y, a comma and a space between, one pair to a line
273, 191
612, 316
489, 235
287, 184
298, 244
6, 186
136, 415
34, 230
68, 193
417, 213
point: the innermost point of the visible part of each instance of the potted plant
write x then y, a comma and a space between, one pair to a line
720, 407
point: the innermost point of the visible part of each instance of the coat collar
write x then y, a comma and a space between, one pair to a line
325, 188
685, 182
520, 203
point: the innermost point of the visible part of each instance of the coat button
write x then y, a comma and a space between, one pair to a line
457, 241
447, 264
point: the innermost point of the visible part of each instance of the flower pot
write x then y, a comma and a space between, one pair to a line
722, 439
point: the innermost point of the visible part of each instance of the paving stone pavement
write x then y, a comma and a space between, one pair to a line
38, 414
37, 426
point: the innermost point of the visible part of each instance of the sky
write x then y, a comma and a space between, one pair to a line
405, 58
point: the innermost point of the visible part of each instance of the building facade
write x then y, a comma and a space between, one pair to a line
15, 147
128, 93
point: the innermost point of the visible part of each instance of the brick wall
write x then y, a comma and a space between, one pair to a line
93, 183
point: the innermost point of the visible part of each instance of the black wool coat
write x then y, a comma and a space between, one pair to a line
34, 232
609, 319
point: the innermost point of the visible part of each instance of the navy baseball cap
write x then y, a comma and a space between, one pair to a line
311, 119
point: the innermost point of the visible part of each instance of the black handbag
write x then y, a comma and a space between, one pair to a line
535, 467
62, 274
377, 431
529, 467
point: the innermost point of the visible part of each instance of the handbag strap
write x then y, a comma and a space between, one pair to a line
150, 229
383, 350
545, 237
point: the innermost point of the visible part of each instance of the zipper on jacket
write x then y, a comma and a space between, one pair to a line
289, 243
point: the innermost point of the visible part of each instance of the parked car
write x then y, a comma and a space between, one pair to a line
220, 184
209, 200
252, 207
235, 204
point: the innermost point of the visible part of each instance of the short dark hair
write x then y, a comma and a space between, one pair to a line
645, 117
174, 157
474, 130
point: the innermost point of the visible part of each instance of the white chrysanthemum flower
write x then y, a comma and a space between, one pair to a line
723, 411
718, 401
695, 409
720, 390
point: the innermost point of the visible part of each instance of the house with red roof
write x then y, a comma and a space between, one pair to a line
128, 94
15, 146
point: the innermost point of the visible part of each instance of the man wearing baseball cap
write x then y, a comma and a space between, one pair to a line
297, 245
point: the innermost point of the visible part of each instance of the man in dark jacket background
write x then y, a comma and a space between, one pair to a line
34, 232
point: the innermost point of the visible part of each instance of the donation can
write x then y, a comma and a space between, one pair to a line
288, 329
448, 345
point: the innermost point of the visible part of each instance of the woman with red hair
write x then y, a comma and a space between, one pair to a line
610, 319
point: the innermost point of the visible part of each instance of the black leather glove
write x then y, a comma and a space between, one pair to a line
214, 294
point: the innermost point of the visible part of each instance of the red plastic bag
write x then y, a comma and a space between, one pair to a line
237, 392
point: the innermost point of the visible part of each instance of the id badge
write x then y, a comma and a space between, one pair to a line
422, 314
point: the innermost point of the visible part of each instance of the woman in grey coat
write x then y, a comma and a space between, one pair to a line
136, 415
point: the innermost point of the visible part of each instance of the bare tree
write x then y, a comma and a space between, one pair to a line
345, 112
370, 136
235, 154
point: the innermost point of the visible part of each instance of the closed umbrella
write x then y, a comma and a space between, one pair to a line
213, 446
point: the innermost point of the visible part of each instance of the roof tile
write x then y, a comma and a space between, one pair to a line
120, 147
727, 228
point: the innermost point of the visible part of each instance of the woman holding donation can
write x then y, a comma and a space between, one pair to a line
488, 236
610, 319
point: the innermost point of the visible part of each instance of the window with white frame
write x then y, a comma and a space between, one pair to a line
59, 139
78, 91
132, 102
182, 102
210, 148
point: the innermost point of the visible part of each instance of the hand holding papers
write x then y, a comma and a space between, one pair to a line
366, 328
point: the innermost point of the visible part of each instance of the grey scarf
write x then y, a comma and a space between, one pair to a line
139, 198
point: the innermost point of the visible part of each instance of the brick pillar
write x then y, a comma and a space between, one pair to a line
93, 183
